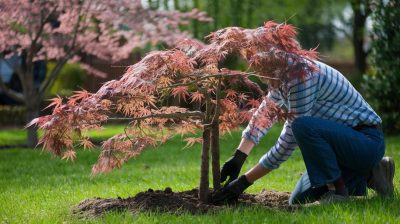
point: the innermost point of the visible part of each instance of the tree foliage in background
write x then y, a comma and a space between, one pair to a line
312, 17
64, 31
71, 76
382, 85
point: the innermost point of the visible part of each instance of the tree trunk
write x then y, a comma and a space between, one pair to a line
32, 112
204, 185
215, 156
360, 54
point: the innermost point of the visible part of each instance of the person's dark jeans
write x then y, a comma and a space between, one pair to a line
331, 150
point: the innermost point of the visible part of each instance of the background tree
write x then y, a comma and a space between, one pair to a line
63, 31
190, 72
353, 25
361, 11
313, 17
382, 84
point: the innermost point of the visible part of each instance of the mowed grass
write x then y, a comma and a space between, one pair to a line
17, 136
36, 187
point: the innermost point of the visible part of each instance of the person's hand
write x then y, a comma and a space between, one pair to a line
232, 166
231, 192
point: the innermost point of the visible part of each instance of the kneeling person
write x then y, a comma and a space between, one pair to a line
338, 133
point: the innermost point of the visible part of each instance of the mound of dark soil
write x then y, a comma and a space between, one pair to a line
173, 202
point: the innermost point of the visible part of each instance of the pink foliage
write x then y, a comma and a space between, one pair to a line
192, 71
109, 30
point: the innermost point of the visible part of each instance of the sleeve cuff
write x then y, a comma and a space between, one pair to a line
265, 162
246, 134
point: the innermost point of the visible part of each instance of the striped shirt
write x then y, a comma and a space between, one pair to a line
325, 94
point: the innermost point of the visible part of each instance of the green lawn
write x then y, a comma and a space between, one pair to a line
35, 187
15, 136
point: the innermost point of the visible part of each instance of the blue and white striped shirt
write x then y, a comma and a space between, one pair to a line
325, 94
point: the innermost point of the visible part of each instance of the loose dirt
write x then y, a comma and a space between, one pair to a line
175, 202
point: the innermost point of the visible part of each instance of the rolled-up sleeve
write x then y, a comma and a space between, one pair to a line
262, 120
282, 150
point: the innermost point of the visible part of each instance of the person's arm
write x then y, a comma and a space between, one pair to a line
246, 145
258, 126
302, 97
261, 121
279, 153
256, 173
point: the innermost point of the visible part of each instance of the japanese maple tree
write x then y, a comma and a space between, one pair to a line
190, 73
63, 31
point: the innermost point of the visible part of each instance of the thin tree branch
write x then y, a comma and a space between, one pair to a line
218, 75
43, 22
19, 97
56, 70
28, 78
171, 115
217, 105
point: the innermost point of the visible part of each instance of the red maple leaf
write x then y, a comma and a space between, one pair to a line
69, 155
87, 144
56, 102
191, 141
253, 103
197, 97
231, 93
80, 95
181, 92
242, 97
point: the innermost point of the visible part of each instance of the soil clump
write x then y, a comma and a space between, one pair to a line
175, 202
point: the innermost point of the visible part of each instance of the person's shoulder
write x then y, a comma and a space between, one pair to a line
308, 79
326, 69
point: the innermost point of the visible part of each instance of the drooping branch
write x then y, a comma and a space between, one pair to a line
171, 115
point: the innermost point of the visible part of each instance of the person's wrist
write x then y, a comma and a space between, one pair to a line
239, 185
244, 181
240, 156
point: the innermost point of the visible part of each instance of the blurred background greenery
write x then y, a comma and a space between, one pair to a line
360, 38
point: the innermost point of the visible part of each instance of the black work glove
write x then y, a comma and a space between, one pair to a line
232, 166
230, 193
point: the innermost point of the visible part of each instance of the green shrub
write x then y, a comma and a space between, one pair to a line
382, 83
71, 77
